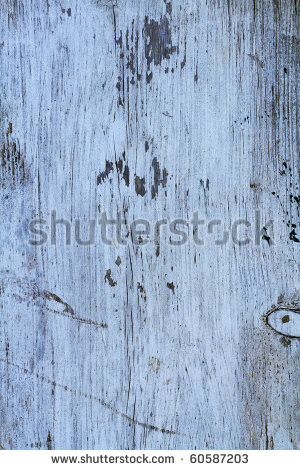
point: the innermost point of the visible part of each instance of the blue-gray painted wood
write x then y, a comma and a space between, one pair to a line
153, 109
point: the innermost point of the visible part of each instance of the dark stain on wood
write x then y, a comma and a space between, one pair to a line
157, 177
104, 174
170, 285
109, 279
158, 42
140, 186
12, 161
126, 175
49, 441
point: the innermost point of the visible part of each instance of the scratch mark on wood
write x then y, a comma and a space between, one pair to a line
55, 384
30, 291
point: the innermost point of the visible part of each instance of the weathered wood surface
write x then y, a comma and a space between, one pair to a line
165, 347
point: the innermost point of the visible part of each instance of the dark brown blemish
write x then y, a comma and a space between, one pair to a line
104, 174
266, 237
49, 441
108, 278
170, 285
293, 236
183, 62
119, 165
168, 7
158, 41
69, 11
12, 161
118, 261
128, 45
157, 177
205, 185
285, 319
140, 287
285, 342
126, 175
140, 186
149, 77
142, 290
269, 441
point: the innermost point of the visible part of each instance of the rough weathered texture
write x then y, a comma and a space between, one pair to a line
153, 109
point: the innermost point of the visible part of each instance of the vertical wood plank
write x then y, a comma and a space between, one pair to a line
153, 110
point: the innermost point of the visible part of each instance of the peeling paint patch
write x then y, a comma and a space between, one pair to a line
126, 175
158, 41
49, 441
157, 177
293, 236
130, 66
12, 161
168, 7
266, 237
170, 285
104, 174
140, 186
142, 291
109, 279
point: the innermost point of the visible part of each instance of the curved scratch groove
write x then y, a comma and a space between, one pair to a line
275, 309
67, 311
51, 296
55, 384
